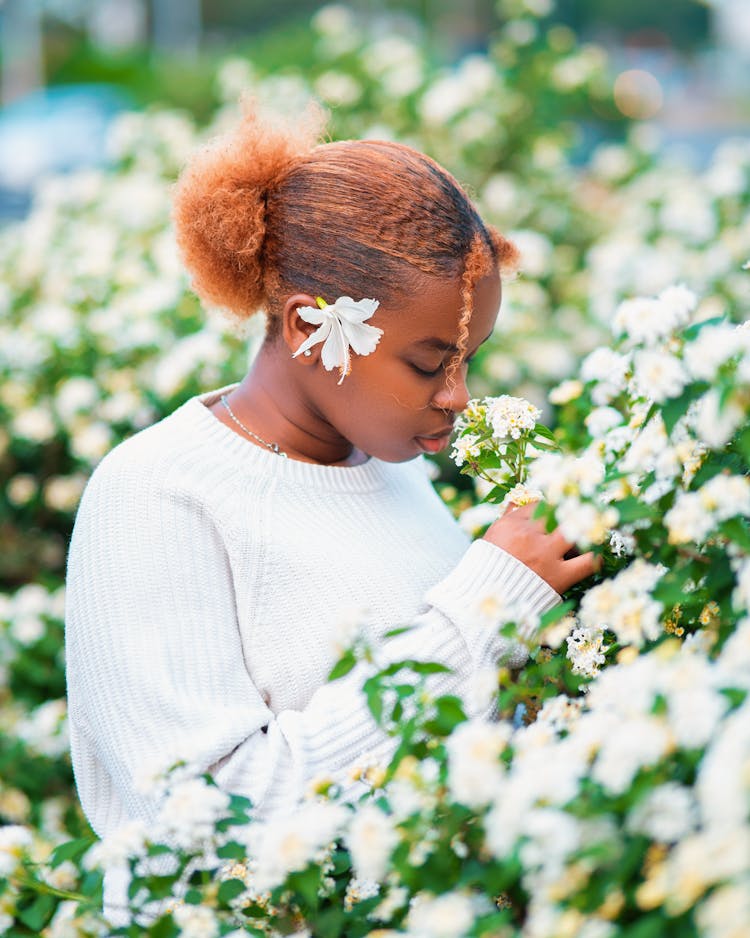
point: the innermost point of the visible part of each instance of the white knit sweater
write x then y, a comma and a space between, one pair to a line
206, 580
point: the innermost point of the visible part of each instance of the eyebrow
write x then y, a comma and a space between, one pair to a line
443, 346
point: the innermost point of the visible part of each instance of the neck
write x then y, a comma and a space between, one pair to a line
272, 403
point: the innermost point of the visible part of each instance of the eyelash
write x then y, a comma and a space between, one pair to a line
427, 374
434, 374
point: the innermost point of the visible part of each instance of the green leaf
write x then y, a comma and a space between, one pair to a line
343, 666
678, 406
38, 914
404, 690
652, 926
736, 530
70, 850
164, 928
392, 633
541, 430
374, 699
306, 884
428, 667
160, 887
497, 493
743, 444
449, 712
689, 333
633, 509
556, 613
230, 889
232, 851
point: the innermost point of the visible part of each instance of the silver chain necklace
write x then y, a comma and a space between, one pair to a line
274, 447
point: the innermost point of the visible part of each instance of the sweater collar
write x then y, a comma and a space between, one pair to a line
368, 476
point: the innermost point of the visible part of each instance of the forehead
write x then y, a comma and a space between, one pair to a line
428, 316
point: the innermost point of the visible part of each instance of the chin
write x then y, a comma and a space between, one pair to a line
393, 454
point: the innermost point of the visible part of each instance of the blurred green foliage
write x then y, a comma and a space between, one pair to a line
276, 36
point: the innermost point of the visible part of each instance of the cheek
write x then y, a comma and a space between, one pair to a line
392, 391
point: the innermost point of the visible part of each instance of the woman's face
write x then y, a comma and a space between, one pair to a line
398, 401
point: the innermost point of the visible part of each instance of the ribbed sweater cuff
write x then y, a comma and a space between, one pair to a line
487, 570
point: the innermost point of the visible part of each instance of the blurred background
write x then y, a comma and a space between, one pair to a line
67, 66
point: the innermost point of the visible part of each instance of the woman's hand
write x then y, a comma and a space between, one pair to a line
528, 541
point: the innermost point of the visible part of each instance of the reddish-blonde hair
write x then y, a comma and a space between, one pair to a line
265, 212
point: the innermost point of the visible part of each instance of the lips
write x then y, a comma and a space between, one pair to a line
435, 442
446, 431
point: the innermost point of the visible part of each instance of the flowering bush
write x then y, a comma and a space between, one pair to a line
611, 797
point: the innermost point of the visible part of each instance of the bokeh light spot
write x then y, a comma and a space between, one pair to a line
638, 94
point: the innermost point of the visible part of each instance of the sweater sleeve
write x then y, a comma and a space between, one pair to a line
155, 660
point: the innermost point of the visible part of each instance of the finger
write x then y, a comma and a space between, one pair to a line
562, 543
523, 511
581, 567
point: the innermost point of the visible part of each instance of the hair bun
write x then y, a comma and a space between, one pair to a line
220, 206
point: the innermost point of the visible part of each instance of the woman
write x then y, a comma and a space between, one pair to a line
215, 553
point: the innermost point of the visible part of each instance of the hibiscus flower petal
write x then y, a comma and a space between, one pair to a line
320, 335
312, 314
358, 311
363, 338
335, 352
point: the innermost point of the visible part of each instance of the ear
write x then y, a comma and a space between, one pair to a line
294, 329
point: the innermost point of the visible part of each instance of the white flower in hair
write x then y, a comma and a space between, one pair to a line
342, 326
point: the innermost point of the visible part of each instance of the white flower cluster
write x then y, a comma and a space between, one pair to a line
189, 813
695, 515
474, 768
510, 417
586, 650
15, 841
290, 843
617, 734
625, 605
449, 915
372, 837
570, 483
465, 448
646, 320
26, 613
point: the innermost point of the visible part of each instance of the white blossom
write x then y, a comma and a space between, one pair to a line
714, 423
196, 921
583, 523
116, 848
14, 841
667, 813
687, 520
190, 811
510, 417
710, 349
466, 447
291, 842
725, 912
608, 369
474, 768
639, 743
449, 915
586, 650
658, 375
602, 419
371, 837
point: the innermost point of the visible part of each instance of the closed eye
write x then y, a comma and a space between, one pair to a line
426, 374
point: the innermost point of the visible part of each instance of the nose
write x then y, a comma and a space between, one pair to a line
454, 395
